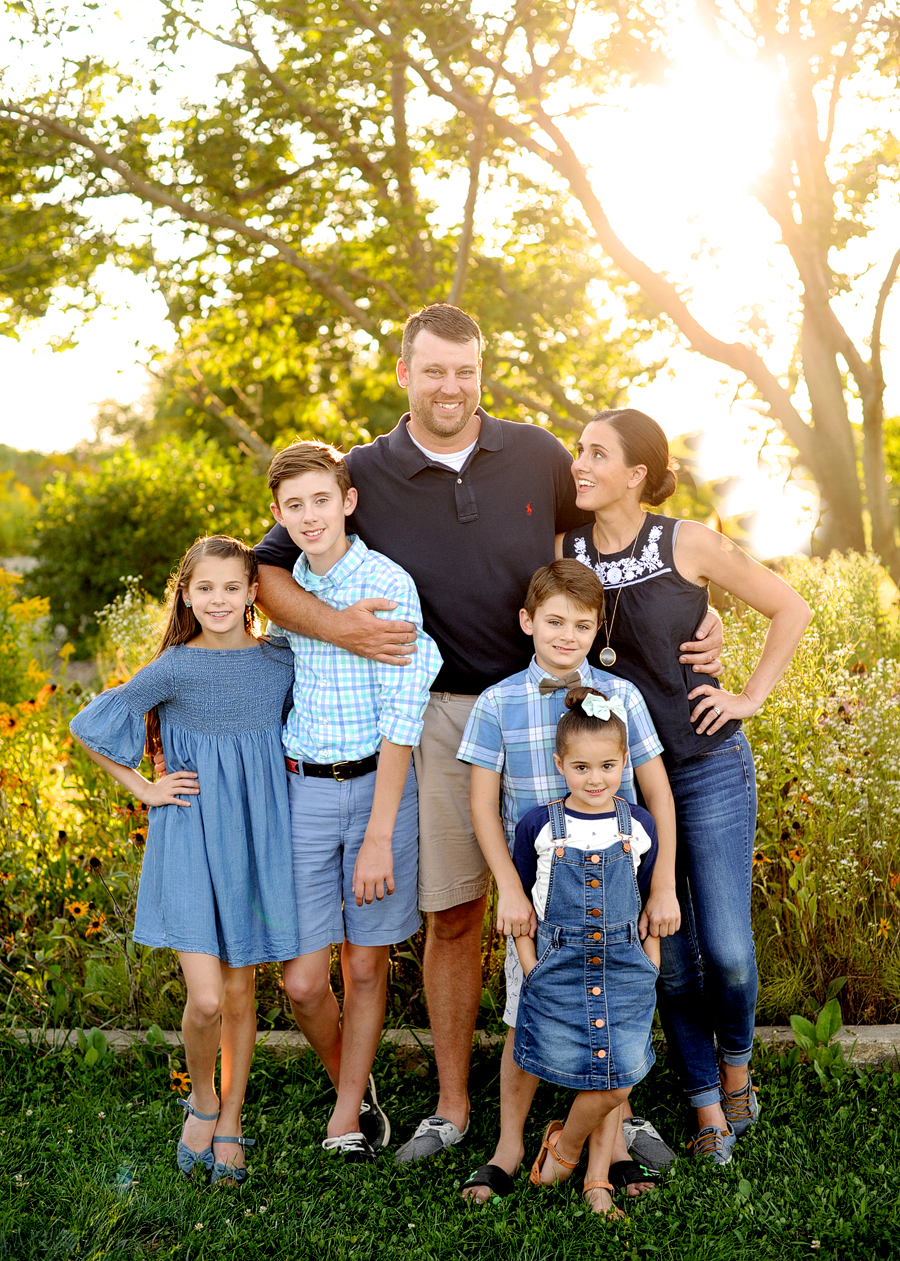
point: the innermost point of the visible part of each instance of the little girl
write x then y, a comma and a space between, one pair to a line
217, 880
590, 987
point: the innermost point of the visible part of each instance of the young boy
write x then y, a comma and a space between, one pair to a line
354, 817
510, 740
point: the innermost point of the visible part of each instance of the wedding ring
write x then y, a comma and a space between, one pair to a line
717, 710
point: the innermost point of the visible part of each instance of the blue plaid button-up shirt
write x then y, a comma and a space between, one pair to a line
345, 705
512, 729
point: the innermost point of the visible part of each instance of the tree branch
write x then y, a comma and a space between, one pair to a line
533, 405
204, 397
883, 292
158, 195
464, 250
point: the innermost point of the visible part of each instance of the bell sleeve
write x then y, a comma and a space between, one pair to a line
113, 722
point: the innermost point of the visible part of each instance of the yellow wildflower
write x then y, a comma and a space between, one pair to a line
95, 925
180, 1082
77, 908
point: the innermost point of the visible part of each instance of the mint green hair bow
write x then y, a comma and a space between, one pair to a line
597, 707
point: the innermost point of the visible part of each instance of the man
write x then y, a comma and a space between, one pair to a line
469, 506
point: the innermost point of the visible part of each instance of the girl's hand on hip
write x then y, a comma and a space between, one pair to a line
717, 707
515, 915
661, 917
164, 792
373, 874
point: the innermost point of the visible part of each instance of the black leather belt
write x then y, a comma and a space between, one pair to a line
334, 770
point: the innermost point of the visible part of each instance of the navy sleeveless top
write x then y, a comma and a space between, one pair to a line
658, 610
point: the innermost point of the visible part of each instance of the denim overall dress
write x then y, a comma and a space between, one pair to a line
587, 1005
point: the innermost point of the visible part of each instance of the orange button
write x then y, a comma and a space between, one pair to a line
601, 1055
597, 936
596, 990
626, 845
596, 959
595, 858
595, 912
560, 853
595, 884
599, 1024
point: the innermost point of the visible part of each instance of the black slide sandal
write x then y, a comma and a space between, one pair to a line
492, 1176
625, 1171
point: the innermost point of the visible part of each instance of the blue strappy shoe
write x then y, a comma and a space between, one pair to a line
221, 1171
186, 1158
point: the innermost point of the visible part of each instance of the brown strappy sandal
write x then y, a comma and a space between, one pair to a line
613, 1211
553, 1130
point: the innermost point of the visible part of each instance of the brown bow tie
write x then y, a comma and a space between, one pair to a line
549, 685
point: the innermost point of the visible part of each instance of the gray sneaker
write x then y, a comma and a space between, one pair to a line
646, 1145
741, 1108
432, 1137
717, 1145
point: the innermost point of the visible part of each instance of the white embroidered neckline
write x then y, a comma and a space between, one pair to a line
617, 573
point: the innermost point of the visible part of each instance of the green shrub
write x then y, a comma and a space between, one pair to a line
827, 750
136, 515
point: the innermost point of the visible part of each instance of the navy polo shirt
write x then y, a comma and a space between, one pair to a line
469, 540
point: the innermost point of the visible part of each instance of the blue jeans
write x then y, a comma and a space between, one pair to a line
708, 980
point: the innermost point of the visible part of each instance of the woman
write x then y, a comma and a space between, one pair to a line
656, 572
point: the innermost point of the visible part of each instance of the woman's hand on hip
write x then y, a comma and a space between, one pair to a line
661, 917
716, 707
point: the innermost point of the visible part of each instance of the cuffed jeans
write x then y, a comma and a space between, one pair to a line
708, 981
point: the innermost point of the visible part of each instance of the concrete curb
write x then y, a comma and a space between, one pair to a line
863, 1044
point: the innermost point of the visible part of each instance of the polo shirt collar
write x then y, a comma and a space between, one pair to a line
338, 573
412, 460
536, 673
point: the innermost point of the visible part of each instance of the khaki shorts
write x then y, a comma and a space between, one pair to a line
452, 869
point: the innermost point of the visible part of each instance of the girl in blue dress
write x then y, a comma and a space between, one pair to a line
217, 879
589, 991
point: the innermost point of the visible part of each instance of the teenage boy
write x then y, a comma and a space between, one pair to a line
509, 741
354, 819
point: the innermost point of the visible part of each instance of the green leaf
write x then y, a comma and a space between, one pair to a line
803, 1029
829, 1021
835, 987
91, 1057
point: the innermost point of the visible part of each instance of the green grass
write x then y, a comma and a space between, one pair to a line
821, 1166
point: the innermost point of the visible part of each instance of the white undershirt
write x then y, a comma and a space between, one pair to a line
452, 459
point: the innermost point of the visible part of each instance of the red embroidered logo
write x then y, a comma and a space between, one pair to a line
528, 509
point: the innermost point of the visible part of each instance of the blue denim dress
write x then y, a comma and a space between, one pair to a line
587, 1006
217, 876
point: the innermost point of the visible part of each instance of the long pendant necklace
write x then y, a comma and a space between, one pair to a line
607, 654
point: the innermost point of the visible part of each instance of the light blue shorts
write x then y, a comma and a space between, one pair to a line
328, 824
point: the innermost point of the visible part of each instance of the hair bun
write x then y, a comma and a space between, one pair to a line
666, 487
577, 694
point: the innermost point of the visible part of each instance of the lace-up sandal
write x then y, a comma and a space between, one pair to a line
353, 1147
548, 1147
713, 1143
187, 1159
741, 1107
236, 1174
598, 1184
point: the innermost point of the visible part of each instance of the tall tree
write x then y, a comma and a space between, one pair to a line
320, 197
326, 148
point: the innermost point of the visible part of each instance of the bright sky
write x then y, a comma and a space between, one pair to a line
664, 199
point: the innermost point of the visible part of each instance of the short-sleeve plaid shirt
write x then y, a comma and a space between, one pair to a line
343, 704
512, 729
